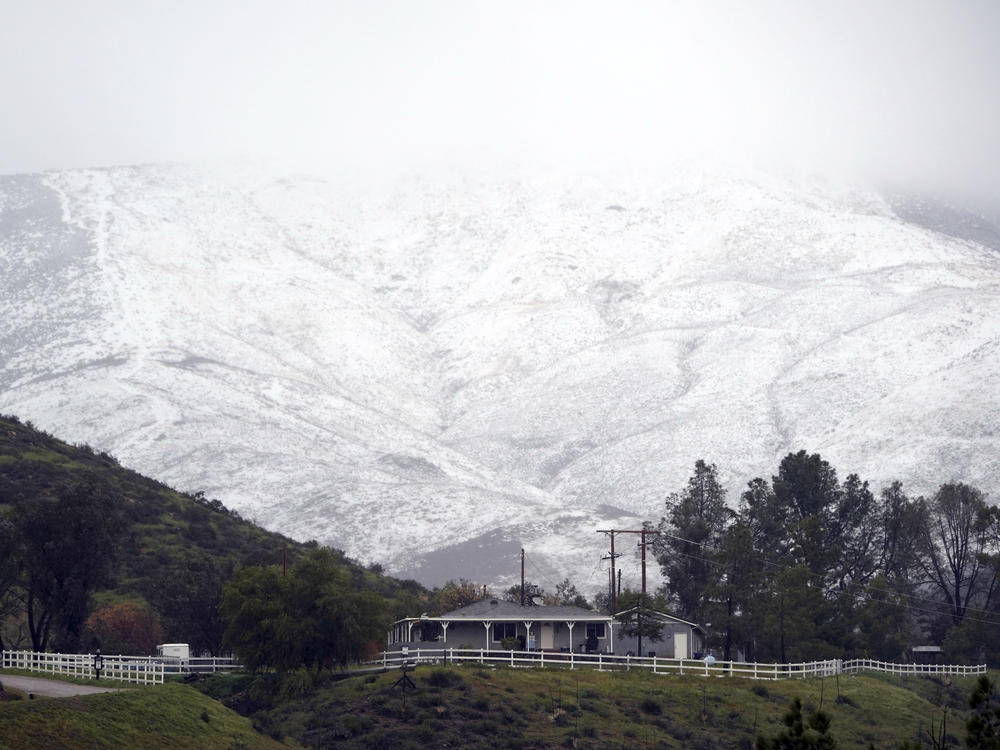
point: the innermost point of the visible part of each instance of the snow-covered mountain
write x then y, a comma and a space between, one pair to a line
432, 373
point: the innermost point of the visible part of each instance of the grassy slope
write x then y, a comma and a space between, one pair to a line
167, 717
166, 526
480, 707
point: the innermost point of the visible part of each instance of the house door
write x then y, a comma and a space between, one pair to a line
545, 639
680, 645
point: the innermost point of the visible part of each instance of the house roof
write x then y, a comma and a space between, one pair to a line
496, 609
657, 614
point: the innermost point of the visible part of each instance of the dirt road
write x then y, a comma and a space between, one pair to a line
49, 688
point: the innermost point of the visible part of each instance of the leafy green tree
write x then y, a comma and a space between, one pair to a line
313, 617
883, 624
858, 538
795, 617
901, 524
983, 726
532, 591
69, 543
567, 595
259, 627
188, 595
800, 733
456, 594
11, 601
633, 611
690, 539
336, 622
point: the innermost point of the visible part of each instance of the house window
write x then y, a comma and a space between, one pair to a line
595, 630
503, 630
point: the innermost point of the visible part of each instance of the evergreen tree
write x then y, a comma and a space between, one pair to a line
732, 606
806, 487
690, 541
800, 733
983, 727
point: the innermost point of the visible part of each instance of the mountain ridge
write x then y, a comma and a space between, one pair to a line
440, 363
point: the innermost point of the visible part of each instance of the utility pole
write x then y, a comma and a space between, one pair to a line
613, 601
522, 576
642, 546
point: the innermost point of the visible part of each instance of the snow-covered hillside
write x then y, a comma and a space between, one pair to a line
437, 372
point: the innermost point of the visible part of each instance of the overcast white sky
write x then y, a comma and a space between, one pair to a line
905, 90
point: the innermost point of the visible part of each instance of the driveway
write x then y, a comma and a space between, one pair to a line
49, 688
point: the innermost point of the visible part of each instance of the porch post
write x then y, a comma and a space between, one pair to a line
527, 635
444, 629
487, 626
611, 637
570, 626
409, 631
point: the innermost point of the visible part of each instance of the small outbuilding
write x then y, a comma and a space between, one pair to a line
494, 624
678, 639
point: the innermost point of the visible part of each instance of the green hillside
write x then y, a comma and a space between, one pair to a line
173, 550
482, 707
166, 716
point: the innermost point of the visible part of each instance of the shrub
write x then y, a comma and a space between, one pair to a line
444, 678
651, 707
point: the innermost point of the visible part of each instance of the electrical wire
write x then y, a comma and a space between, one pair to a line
820, 578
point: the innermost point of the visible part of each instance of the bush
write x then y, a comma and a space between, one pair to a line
444, 678
651, 707
295, 684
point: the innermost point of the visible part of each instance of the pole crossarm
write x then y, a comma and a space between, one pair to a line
612, 556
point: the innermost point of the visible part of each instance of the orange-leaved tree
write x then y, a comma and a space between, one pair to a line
128, 627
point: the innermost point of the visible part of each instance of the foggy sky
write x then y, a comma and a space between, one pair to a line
902, 91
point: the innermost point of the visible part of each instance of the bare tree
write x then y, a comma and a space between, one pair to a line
953, 541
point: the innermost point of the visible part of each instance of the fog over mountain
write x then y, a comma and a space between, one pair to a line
435, 371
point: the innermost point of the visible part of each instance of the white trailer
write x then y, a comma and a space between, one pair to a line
174, 651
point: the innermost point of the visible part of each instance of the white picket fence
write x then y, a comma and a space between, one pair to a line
144, 670
661, 665
122, 668
853, 666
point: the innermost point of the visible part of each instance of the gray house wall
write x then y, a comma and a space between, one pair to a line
665, 646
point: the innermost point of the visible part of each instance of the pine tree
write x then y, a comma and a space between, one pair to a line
800, 733
691, 539
983, 727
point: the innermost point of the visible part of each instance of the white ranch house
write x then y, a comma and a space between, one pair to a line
487, 623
